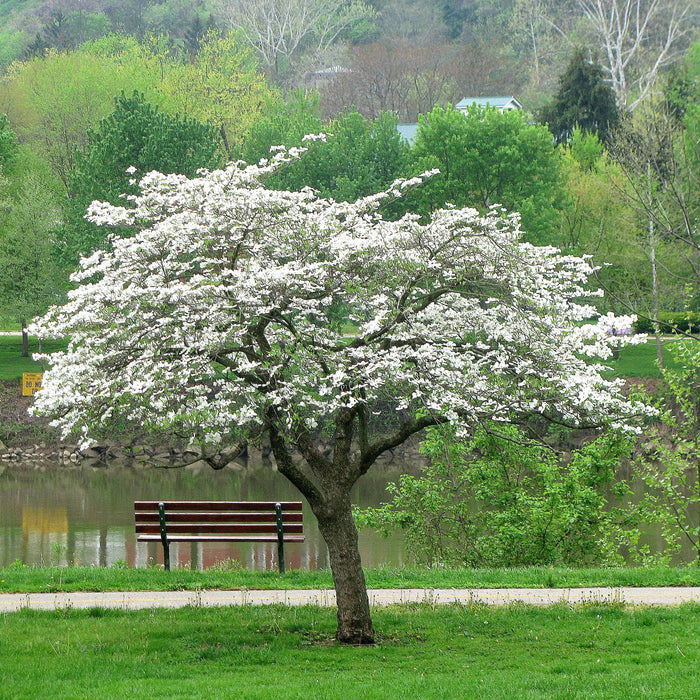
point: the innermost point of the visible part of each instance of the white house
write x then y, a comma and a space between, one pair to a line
408, 132
502, 104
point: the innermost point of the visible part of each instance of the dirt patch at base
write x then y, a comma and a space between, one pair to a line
17, 427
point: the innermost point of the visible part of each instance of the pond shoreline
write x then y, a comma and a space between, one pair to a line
29, 441
26, 439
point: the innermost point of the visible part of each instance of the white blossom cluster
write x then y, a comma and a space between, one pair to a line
233, 306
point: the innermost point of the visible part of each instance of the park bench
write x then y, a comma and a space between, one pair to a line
219, 521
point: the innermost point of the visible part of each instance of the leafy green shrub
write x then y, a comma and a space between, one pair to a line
671, 322
669, 467
494, 500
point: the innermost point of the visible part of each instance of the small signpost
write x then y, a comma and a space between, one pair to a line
31, 383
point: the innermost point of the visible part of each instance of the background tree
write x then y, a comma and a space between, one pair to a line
184, 22
409, 80
29, 279
487, 158
54, 101
534, 36
583, 100
598, 221
127, 16
359, 157
282, 123
538, 45
8, 144
405, 22
211, 323
638, 39
135, 137
220, 87
276, 29
659, 184
375, 81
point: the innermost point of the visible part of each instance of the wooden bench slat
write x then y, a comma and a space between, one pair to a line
219, 521
220, 516
245, 506
218, 528
220, 538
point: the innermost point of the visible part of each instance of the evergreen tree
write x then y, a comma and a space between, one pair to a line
37, 48
136, 135
193, 36
584, 100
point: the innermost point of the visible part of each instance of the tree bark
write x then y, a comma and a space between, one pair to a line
654, 272
338, 529
331, 504
25, 339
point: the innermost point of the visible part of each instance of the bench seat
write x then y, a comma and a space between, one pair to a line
219, 521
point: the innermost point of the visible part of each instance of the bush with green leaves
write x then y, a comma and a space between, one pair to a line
669, 466
488, 158
359, 156
282, 123
671, 322
497, 500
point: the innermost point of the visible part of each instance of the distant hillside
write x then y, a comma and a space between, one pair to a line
28, 27
474, 46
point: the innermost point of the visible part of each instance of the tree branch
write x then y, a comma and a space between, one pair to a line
408, 428
287, 468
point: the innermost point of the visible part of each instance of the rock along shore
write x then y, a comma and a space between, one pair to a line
29, 441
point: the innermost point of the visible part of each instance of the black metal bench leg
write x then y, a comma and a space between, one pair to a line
280, 537
164, 536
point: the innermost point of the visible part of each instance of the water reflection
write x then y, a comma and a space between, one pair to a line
84, 515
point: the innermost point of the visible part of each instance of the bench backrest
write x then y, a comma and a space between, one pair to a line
219, 517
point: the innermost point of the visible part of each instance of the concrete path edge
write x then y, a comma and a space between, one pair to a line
137, 600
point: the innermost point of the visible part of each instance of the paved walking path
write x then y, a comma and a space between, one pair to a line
136, 600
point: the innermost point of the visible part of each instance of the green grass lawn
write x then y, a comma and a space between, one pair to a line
640, 360
36, 579
634, 361
450, 652
13, 365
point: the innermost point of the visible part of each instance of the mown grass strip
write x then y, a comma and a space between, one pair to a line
634, 361
32, 579
640, 361
13, 365
590, 652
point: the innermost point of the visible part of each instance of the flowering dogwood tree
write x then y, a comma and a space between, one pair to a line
235, 311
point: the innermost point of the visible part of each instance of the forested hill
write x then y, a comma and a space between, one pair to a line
494, 47
29, 27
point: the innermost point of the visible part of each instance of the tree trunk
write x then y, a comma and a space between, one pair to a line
25, 339
340, 534
330, 501
654, 272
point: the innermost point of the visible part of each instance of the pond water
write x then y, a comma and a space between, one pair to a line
85, 515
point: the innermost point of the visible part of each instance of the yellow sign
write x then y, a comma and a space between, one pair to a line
31, 383
44, 519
